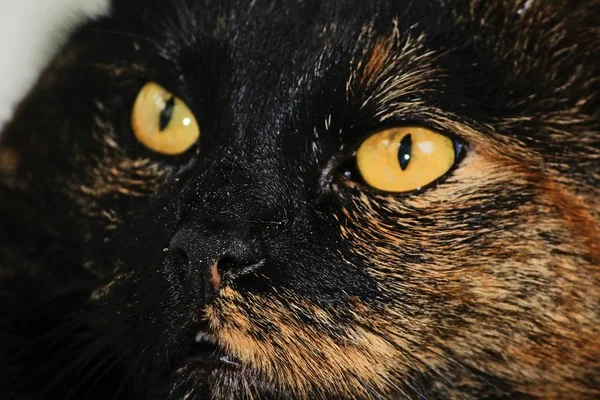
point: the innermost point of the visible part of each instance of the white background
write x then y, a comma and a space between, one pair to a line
30, 32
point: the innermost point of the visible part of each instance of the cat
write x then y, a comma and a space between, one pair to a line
307, 199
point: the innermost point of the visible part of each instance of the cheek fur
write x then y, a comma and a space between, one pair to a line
492, 261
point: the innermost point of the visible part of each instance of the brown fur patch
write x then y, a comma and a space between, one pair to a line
363, 363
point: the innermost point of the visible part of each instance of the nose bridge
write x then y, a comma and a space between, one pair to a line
236, 194
204, 246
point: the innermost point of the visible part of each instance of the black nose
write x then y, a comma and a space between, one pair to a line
209, 261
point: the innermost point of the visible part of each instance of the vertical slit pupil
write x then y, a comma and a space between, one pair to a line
405, 151
166, 114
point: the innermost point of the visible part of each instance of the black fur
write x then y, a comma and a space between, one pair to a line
268, 83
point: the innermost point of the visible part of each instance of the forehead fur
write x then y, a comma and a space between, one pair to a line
525, 57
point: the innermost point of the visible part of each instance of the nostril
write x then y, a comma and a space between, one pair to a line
181, 259
231, 268
180, 256
182, 252
180, 265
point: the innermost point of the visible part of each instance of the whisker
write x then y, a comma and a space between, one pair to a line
123, 385
106, 371
372, 391
411, 356
456, 363
132, 373
85, 358
48, 300
64, 329
394, 385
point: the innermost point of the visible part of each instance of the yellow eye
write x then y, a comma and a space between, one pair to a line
404, 159
162, 122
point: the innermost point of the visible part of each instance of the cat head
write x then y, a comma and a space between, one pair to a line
261, 239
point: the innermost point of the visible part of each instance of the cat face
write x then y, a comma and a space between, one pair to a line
257, 241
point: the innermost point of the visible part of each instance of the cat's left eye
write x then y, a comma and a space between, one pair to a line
163, 122
405, 159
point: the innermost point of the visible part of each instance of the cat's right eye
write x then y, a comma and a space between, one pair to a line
163, 122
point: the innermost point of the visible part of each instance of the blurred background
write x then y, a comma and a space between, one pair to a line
31, 31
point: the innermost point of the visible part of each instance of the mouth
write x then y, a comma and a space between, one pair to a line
208, 370
205, 353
